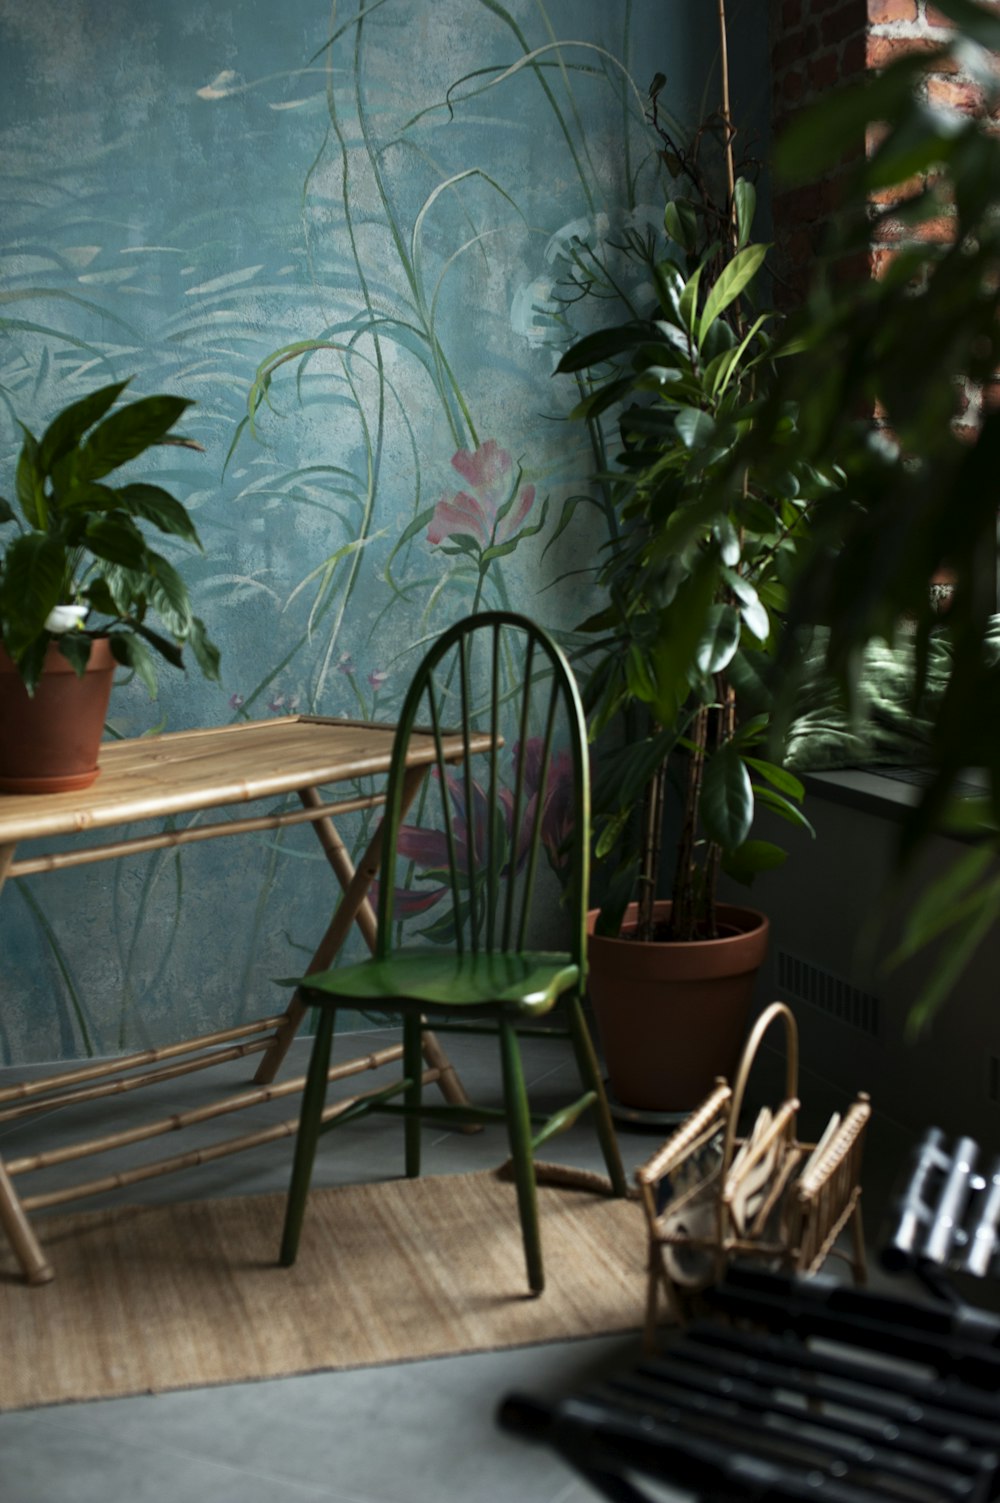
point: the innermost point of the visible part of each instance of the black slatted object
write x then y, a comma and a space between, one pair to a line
809, 1390
947, 1215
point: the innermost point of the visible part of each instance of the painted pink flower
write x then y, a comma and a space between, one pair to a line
428, 849
492, 508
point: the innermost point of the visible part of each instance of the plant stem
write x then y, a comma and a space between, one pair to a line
682, 914
728, 123
649, 857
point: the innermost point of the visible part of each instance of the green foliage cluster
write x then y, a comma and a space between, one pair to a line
73, 539
919, 496
698, 572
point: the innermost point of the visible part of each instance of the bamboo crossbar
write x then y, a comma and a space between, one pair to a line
193, 1158
136, 1082
28, 1088
179, 1120
168, 839
183, 774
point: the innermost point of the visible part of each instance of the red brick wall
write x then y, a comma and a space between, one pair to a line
817, 45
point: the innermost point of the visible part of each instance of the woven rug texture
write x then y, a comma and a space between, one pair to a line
151, 1298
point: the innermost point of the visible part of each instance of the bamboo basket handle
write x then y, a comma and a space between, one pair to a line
768, 1016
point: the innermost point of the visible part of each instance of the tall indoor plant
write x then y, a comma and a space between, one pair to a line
81, 585
695, 578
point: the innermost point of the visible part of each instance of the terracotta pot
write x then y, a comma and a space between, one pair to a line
672, 1016
49, 741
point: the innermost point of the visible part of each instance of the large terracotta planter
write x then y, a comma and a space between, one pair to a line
49, 741
671, 1017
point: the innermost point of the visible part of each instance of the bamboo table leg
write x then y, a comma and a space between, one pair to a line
354, 907
37, 1268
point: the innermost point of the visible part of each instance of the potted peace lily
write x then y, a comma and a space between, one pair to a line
81, 585
695, 577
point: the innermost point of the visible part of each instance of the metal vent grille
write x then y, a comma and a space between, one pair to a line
834, 995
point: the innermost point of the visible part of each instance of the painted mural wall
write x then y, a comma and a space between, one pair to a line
358, 235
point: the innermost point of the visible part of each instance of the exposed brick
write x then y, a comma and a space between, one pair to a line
954, 95
841, 24
794, 47
854, 56
882, 11
791, 13
883, 50
793, 86
823, 72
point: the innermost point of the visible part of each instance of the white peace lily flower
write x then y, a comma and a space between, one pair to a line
63, 618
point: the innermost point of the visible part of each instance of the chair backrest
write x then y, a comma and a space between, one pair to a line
468, 856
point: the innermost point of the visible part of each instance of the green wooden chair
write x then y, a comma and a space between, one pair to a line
499, 818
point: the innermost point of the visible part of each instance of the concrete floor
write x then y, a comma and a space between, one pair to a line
411, 1433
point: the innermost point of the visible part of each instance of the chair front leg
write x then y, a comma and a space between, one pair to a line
590, 1075
310, 1122
521, 1153
413, 1072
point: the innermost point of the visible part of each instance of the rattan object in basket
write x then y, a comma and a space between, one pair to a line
710, 1194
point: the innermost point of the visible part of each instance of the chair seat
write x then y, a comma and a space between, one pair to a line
525, 982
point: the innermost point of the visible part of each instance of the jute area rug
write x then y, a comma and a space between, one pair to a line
150, 1298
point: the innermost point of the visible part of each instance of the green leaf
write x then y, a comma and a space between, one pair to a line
596, 349
720, 640
688, 306
745, 200
29, 482
133, 653
638, 675
726, 798
116, 539
754, 615
977, 922
169, 595
739, 273
982, 25
781, 805
694, 428
7, 512
75, 648
128, 432
751, 858
66, 430
681, 224
32, 584
611, 833
779, 777
159, 507
206, 654
816, 140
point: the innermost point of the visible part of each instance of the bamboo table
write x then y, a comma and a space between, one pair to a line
186, 772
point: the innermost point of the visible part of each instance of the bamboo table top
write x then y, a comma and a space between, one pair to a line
154, 776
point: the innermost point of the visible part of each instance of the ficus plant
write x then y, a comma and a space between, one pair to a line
75, 562
696, 575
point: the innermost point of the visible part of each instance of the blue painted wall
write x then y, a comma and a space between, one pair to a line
357, 235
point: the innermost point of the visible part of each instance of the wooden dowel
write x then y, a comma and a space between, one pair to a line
167, 839
134, 1082
6, 862
37, 1268
338, 857
191, 1160
179, 1120
28, 1088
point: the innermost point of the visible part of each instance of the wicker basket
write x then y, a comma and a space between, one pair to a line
710, 1194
